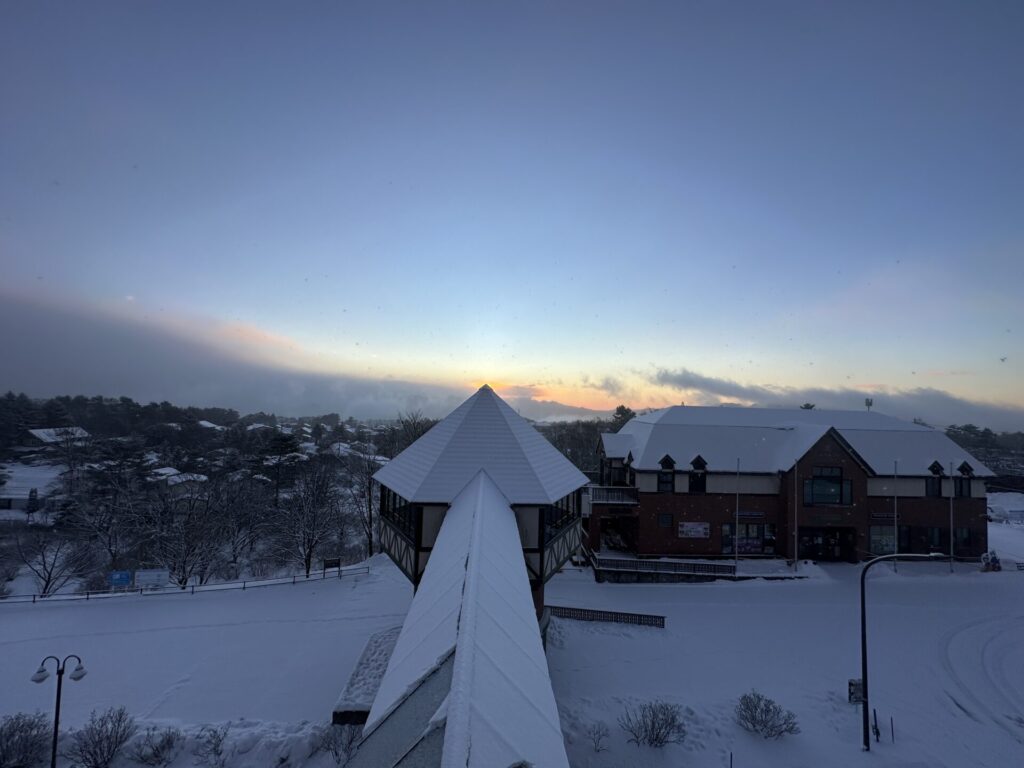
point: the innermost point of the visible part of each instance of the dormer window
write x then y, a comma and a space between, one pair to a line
698, 475
667, 475
933, 484
962, 484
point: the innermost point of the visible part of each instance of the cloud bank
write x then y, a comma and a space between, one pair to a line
934, 406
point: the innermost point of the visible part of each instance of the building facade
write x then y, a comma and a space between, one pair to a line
484, 433
823, 485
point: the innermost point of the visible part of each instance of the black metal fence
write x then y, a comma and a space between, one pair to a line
617, 617
350, 570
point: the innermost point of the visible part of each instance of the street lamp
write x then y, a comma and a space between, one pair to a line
41, 675
864, 634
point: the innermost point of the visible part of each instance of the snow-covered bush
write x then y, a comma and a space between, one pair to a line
758, 714
210, 750
340, 741
97, 743
157, 747
23, 740
597, 733
655, 723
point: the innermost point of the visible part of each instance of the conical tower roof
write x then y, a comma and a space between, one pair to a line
482, 433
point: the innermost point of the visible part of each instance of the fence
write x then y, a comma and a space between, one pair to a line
352, 570
586, 614
662, 566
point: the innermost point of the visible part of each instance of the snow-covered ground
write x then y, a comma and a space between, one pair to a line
947, 662
275, 654
1006, 506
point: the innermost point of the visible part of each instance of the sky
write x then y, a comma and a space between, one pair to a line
380, 206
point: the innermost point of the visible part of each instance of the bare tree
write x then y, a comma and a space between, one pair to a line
53, 560
181, 533
308, 518
240, 505
360, 498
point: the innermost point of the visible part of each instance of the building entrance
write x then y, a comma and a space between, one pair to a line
829, 544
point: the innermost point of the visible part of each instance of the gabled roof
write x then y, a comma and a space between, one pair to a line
771, 439
475, 602
482, 433
52, 435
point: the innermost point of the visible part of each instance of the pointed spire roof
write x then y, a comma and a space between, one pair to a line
482, 433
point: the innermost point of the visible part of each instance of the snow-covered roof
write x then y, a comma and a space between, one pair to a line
162, 473
186, 477
771, 439
53, 435
482, 433
365, 679
474, 601
22, 478
210, 425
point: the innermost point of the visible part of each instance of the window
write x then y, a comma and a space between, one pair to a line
963, 538
666, 481
698, 482
665, 520
933, 487
962, 487
828, 487
5, 503
754, 538
882, 540
934, 538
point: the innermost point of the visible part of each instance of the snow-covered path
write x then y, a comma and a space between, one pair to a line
280, 653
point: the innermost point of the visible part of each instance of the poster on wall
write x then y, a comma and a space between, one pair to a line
695, 530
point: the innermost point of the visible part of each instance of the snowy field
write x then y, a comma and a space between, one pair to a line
947, 662
272, 657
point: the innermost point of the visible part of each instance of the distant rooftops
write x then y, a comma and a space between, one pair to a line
482, 433
53, 435
771, 439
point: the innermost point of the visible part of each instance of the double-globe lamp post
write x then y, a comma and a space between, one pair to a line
864, 633
41, 675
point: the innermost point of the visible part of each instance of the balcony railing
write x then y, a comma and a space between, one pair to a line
612, 494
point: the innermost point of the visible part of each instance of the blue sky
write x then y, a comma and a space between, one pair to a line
567, 200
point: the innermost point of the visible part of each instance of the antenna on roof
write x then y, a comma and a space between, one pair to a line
868, 402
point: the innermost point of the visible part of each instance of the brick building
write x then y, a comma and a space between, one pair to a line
830, 485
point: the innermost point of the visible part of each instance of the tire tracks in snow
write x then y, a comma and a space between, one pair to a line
978, 651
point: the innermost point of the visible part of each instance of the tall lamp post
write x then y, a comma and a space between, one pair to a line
41, 675
864, 634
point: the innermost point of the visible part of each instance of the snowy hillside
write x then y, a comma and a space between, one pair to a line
280, 653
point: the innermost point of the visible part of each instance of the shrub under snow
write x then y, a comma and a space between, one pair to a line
97, 743
157, 747
23, 740
759, 714
655, 723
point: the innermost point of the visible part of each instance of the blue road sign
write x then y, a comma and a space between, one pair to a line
120, 578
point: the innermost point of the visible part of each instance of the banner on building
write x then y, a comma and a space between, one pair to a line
695, 530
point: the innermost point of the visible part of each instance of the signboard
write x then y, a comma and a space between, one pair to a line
332, 562
120, 578
695, 530
748, 513
152, 577
855, 690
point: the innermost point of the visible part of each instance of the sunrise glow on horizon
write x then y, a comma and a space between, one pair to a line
584, 204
